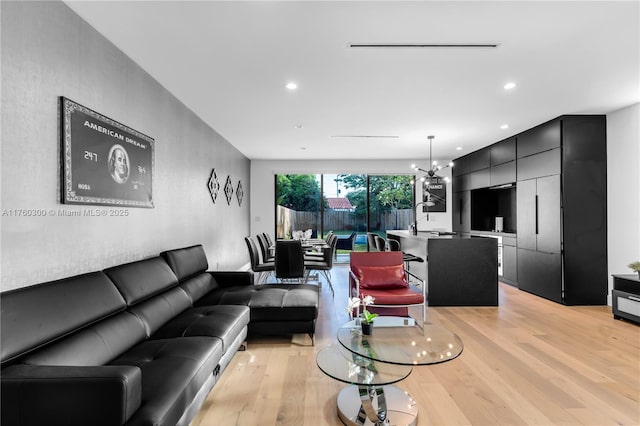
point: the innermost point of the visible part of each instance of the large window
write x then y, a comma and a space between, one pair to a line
344, 204
299, 204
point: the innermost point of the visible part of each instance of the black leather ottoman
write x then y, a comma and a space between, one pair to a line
275, 308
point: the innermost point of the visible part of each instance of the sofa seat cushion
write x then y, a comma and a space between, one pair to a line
173, 371
222, 321
270, 302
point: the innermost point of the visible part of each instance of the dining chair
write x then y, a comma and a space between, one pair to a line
325, 263
289, 261
264, 248
381, 243
263, 269
371, 241
268, 238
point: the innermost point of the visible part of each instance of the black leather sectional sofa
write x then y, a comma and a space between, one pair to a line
141, 343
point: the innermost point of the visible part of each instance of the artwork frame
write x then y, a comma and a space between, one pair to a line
228, 190
214, 185
239, 193
104, 162
434, 189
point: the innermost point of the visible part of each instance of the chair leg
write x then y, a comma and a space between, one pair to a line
327, 275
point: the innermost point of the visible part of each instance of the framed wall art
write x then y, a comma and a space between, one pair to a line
213, 185
104, 161
239, 193
434, 192
228, 190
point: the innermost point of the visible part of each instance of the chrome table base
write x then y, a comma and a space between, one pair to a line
376, 406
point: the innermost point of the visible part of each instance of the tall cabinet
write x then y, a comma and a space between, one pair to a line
561, 210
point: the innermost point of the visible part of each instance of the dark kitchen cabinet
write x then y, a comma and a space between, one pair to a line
539, 237
479, 179
541, 138
502, 152
509, 264
561, 210
543, 164
540, 273
503, 174
539, 215
561, 213
526, 214
462, 212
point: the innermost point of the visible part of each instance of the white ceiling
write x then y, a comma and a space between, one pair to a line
229, 63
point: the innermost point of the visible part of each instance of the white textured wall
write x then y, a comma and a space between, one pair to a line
623, 190
263, 186
48, 51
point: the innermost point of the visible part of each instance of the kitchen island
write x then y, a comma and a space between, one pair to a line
458, 270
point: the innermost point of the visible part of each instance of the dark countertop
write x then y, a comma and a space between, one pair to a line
429, 235
501, 234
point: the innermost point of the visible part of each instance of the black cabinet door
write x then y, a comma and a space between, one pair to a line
544, 164
509, 264
459, 167
541, 138
526, 214
456, 210
548, 214
461, 215
503, 151
477, 160
540, 273
504, 173
479, 179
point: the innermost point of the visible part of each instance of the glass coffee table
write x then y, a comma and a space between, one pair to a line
371, 364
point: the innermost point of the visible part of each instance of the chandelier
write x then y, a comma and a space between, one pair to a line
434, 167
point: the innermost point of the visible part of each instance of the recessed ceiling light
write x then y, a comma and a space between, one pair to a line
298, 126
291, 86
459, 148
510, 85
303, 148
504, 126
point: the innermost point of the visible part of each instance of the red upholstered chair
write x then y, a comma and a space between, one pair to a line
382, 275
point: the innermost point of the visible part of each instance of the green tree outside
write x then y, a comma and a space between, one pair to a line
299, 192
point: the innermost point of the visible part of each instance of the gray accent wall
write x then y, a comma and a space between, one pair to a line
48, 51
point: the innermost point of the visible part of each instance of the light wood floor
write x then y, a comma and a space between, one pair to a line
527, 362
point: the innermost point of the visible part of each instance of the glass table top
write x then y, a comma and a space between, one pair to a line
399, 340
343, 365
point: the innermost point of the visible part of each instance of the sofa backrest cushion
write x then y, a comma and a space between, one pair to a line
380, 277
156, 311
198, 286
34, 316
143, 279
95, 345
186, 262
